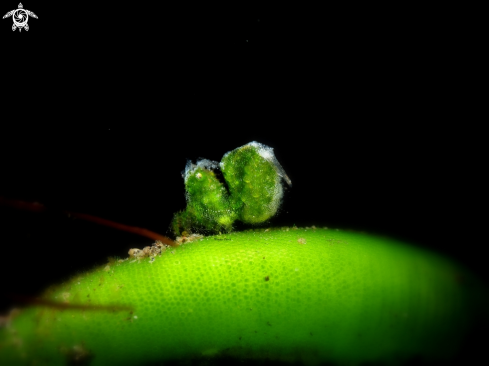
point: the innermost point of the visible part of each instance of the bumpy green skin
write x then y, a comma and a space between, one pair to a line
253, 177
254, 184
311, 296
208, 205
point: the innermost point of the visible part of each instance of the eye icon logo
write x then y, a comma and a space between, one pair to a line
20, 17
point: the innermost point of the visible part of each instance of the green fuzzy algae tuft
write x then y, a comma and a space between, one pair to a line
287, 294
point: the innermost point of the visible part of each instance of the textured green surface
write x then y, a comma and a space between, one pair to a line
253, 175
208, 206
308, 295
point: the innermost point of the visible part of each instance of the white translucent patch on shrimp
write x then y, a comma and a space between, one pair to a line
266, 153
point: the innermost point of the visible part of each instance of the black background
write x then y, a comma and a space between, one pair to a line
104, 103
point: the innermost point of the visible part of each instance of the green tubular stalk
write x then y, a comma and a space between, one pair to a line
304, 295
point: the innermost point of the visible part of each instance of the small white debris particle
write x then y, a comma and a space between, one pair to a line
135, 253
135, 316
106, 269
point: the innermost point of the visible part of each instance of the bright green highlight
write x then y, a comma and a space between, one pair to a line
253, 176
311, 296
